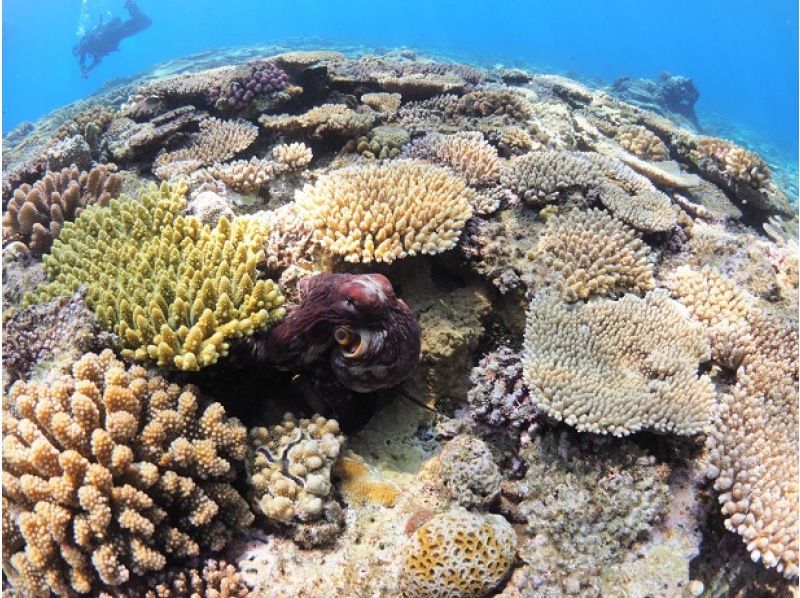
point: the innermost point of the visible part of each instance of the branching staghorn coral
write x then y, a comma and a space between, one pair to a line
753, 450
320, 121
36, 214
218, 140
593, 254
289, 469
173, 290
214, 579
546, 176
385, 212
616, 367
109, 472
466, 153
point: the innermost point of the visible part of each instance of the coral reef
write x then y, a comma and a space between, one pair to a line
499, 397
642, 142
592, 254
174, 291
380, 142
585, 501
753, 448
466, 153
264, 78
468, 471
109, 471
60, 330
36, 213
547, 176
218, 140
385, 212
615, 367
515, 292
458, 553
321, 121
289, 470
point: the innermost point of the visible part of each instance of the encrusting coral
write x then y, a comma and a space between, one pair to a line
616, 367
386, 212
289, 469
218, 140
593, 254
458, 553
753, 450
173, 290
468, 471
466, 153
36, 213
109, 472
60, 330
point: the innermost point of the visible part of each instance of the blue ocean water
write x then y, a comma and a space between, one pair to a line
741, 54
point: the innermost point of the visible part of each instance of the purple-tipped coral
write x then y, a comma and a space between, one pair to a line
265, 78
498, 396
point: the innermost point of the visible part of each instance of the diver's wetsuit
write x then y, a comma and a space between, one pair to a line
105, 38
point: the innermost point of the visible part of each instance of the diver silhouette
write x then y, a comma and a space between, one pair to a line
105, 37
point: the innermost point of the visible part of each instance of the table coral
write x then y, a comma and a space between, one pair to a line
174, 291
546, 176
501, 101
218, 140
466, 153
642, 142
616, 367
649, 211
458, 553
289, 469
593, 254
753, 449
36, 213
382, 101
721, 307
110, 471
386, 212
380, 142
321, 121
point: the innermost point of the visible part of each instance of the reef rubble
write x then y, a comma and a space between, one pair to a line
289, 321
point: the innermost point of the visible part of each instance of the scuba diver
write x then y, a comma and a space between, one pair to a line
105, 37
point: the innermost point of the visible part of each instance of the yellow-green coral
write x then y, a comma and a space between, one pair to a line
172, 289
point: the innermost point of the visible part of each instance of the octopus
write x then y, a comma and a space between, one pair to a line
370, 338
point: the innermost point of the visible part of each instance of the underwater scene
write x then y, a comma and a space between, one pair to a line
420, 300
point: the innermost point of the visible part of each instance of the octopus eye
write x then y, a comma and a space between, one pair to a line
351, 342
342, 335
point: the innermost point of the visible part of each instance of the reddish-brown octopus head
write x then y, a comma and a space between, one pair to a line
371, 338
